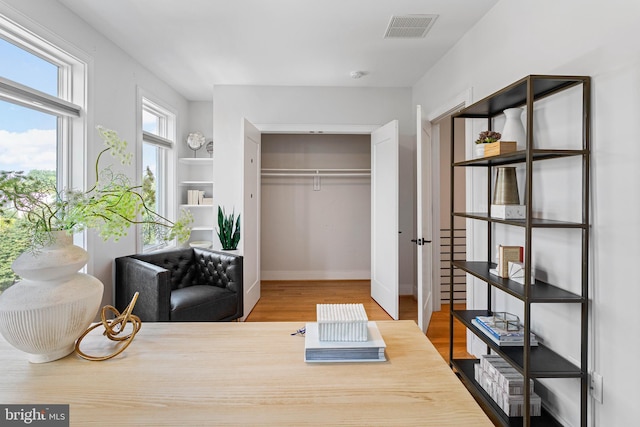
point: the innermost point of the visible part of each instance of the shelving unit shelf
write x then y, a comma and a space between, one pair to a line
533, 362
196, 173
464, 368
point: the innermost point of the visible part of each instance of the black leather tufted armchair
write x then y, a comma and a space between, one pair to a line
184, 285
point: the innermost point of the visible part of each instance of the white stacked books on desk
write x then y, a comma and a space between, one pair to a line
371, 350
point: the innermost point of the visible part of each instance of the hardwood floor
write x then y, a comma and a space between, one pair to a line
283, 301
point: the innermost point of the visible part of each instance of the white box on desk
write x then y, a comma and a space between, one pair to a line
508, 211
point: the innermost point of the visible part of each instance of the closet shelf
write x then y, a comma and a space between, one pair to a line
316, 172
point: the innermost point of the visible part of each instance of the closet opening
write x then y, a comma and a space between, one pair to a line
315, 207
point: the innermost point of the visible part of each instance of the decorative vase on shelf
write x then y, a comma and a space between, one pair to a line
513, 128
505, 190
53, 304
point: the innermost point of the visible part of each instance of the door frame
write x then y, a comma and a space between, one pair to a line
342, 129
453, 105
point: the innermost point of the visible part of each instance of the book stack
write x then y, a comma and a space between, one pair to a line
194, 197
343, 333
371, 350
501, 335
505, 385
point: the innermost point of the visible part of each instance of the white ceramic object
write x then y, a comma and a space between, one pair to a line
513, 128
342, 322
478, 151
53, 304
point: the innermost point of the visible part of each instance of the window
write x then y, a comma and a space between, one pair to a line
41, 129
158, 136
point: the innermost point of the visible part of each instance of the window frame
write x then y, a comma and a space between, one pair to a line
166, 142
69, 106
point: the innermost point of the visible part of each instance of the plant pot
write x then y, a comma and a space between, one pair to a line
53, 304
500, 147
478, 150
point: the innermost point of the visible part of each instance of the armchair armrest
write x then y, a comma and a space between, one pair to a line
223, 270
153, 284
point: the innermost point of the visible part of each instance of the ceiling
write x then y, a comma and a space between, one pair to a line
196, 44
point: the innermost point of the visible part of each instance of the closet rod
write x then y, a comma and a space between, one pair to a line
350, 174
317, 170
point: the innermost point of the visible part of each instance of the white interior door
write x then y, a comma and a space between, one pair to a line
424, 217
384, 217
250, 225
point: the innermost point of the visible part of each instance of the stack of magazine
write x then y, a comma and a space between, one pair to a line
501, 336
371, 350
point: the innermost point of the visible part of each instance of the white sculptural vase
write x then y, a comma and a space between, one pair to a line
513, 128
53, 304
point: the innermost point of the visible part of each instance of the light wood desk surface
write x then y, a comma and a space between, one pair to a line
249, 374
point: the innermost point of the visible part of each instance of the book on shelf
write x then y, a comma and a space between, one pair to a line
501, 336
195, 197
506, 254
371, 350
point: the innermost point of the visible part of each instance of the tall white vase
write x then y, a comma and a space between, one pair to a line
53, 305
513, 128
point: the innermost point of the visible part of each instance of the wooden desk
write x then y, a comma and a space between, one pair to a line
206, 374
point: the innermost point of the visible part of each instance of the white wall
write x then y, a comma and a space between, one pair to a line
575, 37
315, 105
319, 233
114, 80
199, 119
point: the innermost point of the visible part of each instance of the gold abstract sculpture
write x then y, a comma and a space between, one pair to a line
112, 328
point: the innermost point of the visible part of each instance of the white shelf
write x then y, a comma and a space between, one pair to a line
196, 160
196, 173
196, 206
183, 183
201, 228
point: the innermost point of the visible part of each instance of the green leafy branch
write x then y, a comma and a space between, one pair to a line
111, 205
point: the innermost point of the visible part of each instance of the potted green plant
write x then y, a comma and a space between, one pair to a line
488, 136
485, 137
228, 229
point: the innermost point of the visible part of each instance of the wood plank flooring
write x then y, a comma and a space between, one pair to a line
283, 301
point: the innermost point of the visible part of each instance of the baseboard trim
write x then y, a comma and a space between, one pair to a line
315, 275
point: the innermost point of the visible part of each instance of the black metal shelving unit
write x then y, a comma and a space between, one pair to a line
537, 361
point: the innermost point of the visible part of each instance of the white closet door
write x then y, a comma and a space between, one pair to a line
250, 229
424, 217
384, 217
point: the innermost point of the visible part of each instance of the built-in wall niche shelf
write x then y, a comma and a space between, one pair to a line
195, 175
196, 160
296, 172
201, 228
188, 183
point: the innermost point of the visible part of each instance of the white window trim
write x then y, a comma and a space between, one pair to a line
169, 128
70, 106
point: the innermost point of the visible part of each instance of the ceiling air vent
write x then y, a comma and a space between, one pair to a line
409, 26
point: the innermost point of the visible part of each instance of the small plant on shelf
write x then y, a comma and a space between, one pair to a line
488, 136
228, 232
